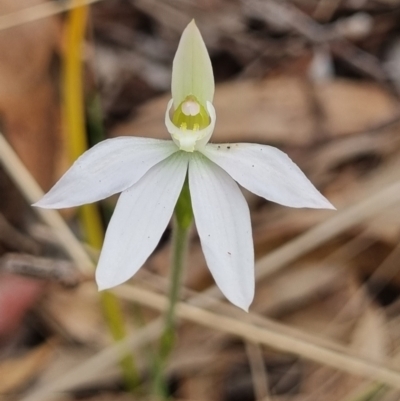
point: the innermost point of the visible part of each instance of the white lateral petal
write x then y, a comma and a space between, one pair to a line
140, 217
223, 223
109, 167
267, 172
192, 72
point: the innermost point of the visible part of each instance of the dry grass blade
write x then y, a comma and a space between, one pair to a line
15, 240
56, 270
40, 11
258, 371
336, 358
16, 371
32, 193
323, 232
95, 365
325, 319
278, 340
268, 265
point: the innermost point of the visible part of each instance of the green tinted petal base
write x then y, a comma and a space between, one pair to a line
188, 128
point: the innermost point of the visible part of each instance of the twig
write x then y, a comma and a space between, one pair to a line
278, 340
337, 359
61, 271
285, 13
258, 371
270, 264
98, 363
32, 193
286, 254
323, 232
15, 240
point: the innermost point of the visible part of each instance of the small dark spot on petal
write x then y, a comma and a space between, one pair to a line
229, 253
228, 147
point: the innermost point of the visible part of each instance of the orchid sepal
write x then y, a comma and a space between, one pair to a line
192, 72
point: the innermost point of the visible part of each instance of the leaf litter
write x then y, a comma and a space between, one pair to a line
342, 130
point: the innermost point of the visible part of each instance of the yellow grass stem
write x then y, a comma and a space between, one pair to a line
74, 124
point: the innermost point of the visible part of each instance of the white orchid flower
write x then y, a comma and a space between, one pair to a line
150, 174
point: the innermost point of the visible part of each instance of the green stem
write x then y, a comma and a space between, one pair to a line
180, 239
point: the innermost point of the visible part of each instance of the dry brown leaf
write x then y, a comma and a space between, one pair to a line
278, 110
300, 286
15, 373
254, 111
67, 358
351, 107
28, 97
370, 340
322, 383
332, 316
387, 226
77, 312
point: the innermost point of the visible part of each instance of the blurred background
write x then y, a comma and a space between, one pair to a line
320, 79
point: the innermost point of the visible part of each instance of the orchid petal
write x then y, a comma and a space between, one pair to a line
267, 172
192, 72
109, 167
223, 223
140, 217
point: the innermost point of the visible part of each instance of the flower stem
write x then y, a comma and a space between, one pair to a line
180, 238
74, 125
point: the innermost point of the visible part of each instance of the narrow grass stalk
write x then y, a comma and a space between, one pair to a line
180, 236
115, 320
74, 123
